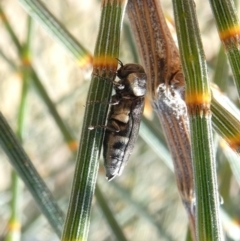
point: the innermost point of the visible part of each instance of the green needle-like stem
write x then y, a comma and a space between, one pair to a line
198, 99
30, 176
106, 50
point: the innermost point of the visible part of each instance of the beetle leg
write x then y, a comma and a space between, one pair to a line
104, 102
103, 126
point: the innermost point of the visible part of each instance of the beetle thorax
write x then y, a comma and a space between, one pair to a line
133, 86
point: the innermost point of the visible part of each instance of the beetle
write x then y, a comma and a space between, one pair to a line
124, 118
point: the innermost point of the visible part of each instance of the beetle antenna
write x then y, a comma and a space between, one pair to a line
120, 62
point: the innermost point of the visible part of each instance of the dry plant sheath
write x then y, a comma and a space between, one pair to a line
157, 49
104, 68
165, 83
172, 113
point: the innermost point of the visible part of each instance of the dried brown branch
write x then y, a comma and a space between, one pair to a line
158, 51
161, 60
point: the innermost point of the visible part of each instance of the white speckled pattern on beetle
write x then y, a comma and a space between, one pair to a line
124, 118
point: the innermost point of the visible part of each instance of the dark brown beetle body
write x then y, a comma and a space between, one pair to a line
124, 118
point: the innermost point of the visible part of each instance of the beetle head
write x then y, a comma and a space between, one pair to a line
132, 79
127, 69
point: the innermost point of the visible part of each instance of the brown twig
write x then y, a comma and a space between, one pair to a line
158, 51
161, 60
